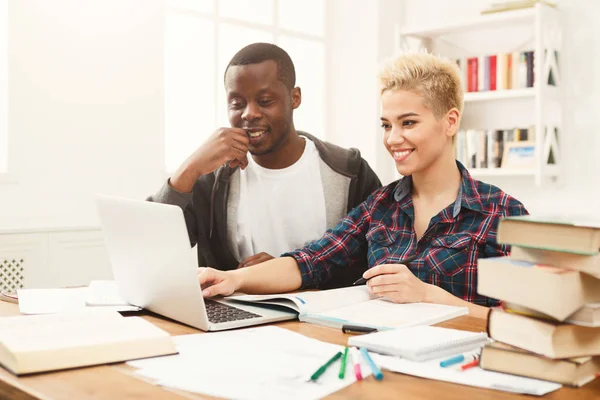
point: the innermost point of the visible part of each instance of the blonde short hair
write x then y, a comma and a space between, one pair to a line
435, 78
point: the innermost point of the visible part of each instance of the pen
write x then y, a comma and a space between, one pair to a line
347, 328
406, 261
323, 367
343, 367
356, 362
374, 368
471, 364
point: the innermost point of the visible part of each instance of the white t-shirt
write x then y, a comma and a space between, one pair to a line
280, 210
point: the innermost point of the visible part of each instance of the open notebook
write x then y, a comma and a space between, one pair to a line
420, 343
354, 305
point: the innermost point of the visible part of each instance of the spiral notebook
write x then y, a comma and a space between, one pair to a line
420, 343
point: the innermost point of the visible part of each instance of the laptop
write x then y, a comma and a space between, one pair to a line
154, 267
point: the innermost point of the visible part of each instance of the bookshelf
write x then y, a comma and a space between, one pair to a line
537, 109
499, 94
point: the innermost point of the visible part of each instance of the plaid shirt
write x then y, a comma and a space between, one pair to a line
380, 230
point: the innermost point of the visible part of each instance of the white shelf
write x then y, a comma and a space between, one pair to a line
501, 172
499, 94
487, 21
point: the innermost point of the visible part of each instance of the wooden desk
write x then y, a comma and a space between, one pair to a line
115, 381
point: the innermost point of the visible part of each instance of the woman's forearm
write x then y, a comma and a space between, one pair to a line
436, 294
278, 275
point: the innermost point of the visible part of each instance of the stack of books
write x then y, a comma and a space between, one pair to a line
502, 71
477, 148
549, 324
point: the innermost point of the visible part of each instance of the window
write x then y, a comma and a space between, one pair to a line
3, 86
201, 36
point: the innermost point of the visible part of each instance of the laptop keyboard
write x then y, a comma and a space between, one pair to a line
219, 312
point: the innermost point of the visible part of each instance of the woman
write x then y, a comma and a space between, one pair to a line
437, 212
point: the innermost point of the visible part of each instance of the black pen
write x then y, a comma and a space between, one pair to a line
406, 261
347, 328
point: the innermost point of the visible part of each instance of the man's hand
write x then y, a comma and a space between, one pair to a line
255, 259
396, 282
216, 283
224, 145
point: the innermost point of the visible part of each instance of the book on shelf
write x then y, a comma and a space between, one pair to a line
535, 286
558, 233
588, 315
478, 148
38, 343
548, 338
578, 262
512, 360
501, 71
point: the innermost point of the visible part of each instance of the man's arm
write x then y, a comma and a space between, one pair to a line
225, 145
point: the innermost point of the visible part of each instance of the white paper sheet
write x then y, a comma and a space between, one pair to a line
257, 363
471, 377
52, 301
104, 293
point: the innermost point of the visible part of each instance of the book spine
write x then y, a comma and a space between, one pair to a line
489, 138
480, 73
493, 72
529, 63
486, 73
469, 67
523, 70
515, 70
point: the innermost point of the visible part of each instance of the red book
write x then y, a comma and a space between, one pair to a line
469, 83
473, 74
493, 72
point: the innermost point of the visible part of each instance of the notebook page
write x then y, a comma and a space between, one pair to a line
385, 313
316, 301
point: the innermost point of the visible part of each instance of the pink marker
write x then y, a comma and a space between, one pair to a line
356, 361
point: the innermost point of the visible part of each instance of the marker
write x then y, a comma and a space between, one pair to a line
374, 368
471, 364
324, 367
406, 261
356, 362
343, 367
456, 360
346, 328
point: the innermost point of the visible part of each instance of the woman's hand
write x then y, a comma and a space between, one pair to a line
397, 283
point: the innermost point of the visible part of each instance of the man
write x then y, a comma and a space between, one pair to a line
242, 210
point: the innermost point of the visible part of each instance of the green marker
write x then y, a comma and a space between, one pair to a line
320, 371
343, 367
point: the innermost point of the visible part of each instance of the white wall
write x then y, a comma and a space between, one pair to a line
85, 107
361, 33
361, 30
86, 100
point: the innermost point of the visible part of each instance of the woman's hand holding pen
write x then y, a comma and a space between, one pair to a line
397, 283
